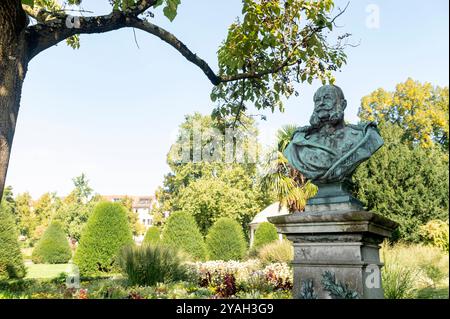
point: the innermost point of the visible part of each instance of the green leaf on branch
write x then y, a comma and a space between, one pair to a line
170, 7
170, 11
275, 46
28, 2
73, 41
123, 5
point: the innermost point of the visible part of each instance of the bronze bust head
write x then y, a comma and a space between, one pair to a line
329, 150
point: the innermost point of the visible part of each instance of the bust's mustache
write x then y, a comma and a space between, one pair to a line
334, 117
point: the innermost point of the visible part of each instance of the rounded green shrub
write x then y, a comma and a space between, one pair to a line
181, 232
226, 241
53, 247
265, 234
106, 232
148, 265
152, 236
11, 261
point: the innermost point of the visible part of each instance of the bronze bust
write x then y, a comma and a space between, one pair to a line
329, 151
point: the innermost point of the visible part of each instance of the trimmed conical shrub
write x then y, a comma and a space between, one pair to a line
106, 232
226, 241
53, 247
152, 236
11, 261
265, 234
181, 232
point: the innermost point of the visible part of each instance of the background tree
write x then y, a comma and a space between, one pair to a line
274, 45
421, 109
82, 190
160, 206
75, 209
407, 180
214, 187
133, 218
26, 216
45, 208
37, 216
289, 186
406, 183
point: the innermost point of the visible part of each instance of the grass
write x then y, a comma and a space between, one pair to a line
415, 271
27, 252
433, 293
46, 271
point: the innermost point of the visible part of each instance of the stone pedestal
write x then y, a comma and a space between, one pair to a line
339, 237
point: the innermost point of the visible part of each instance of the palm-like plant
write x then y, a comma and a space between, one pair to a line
290, 186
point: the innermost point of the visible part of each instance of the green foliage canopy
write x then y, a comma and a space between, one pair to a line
74, 210
421, 109
406, 183
210, 189
268, 50
275, 45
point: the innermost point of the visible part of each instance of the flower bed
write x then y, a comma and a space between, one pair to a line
227, 279
213, 279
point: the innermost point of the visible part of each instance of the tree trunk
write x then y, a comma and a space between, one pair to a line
13, 67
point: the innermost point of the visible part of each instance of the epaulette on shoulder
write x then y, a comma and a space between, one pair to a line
303, 129
358, 127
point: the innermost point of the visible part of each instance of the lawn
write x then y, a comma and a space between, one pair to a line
45, 271
433, 293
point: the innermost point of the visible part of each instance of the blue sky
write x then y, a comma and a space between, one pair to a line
112, 110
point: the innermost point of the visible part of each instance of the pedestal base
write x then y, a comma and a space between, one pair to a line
345, 243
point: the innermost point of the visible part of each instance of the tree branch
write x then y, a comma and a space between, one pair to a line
172, 40
44, 35
141, 6
258, 75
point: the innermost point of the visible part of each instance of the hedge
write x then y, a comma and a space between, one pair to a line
53, 247
265, 234
226, 241
107, 231
181, 232
11, 261
152, 236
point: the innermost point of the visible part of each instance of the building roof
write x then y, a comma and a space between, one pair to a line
269, 211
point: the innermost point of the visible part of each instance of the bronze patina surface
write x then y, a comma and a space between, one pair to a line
329, 150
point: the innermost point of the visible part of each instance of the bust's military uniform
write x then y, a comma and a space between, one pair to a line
323, 156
